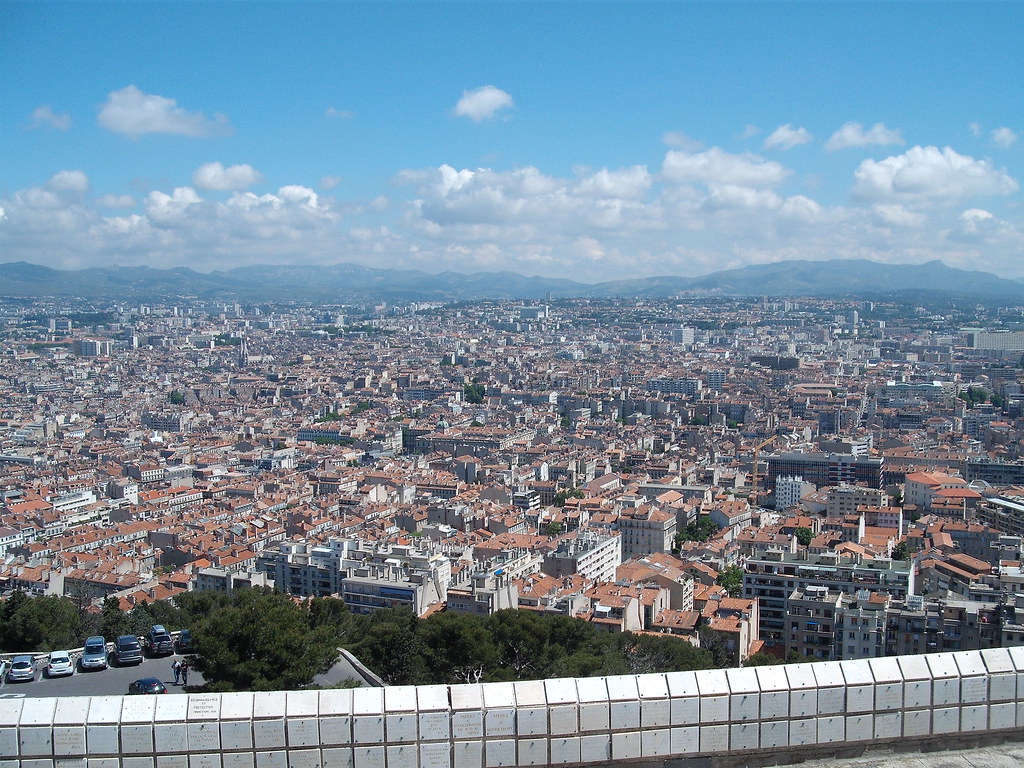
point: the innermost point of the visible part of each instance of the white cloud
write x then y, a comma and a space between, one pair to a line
69, 181
133, 113
45, 116
787, 137
928, 174
854, 135
716, 166
339, 114
975, 129
216, 176
115, 201
680, 140
1004, 137
749, 131
483, 103
330, 182
895, 215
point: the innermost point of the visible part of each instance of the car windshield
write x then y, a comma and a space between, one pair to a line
94, 647
21, 664
58, 658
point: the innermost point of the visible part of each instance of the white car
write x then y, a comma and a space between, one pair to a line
59, 664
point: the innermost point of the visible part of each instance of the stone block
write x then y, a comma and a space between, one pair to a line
38, 711
137, 761
203, 706
35, 741
744, 736
625, 714
368, 729
209, 760
169, 738
803, 702
435, 726
239, 706
302, 731
974, 717
565, 750
406, 755
655, 742
1002, 716
744, 706
104, 710
774, 733
236, 734
468, 754
67, 762
171, 761
272, 705
560, 691
171, 709
831, 729
531, 721
336, 730
499, 696
622, 688
713, 709
10, 715
831, 701
302, 704
803, 731
714, 738
337, 757
102, 740
432, 698
67, 740
945, 691
564, 719
37, 762
368, 701
917, 694
860, 727
973, 690
945, 720
109, 762
368, 757
888, 725
268, 734
596, 749
204, 737
626, 745
685, 712
499, 753
917, 722
1002, 686
467, 724
138, 709
466, 697
532, 752
888, 696
530, 693
238, 760
655, 713
71, 710
860, 698
500, 722
437, 754
401, 728
594, 717
138, 740
335, 701
276, 758
686, 740
400, 698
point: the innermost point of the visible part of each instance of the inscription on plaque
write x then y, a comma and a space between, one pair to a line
203, 736
973, 689
171, 761
302, 733
303, 758
467, 725
136, 739
501, 722
268, 734
888, 697
237, 760
236, 734
437, 755
830, 701
434, 725
335, 730
69, 739
102, 739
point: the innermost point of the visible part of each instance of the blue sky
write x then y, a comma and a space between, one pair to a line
591, 140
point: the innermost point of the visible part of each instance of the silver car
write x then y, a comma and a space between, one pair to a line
23, 669
94, 654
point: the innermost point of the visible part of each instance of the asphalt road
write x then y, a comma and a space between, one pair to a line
115, 680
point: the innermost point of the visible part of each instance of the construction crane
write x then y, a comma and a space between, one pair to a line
755, 476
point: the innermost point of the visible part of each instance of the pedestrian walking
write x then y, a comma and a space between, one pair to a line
176, 669
184, 673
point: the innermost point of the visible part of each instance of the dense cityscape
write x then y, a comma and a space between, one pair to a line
774, 479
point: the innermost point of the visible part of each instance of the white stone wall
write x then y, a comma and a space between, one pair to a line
549, 722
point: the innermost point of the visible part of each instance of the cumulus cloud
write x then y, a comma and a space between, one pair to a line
69, 181
854, 135
133, 113
928, 174
45, 117
1004, 137
715, 166
787, 137
680, 140
483, 103
215, 176
115, 201
895, 215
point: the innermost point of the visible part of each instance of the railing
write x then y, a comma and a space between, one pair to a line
797, 710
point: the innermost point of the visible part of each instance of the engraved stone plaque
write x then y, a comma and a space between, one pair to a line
302, 704
434, 726
204, 737
888, 725
304, 758
401, 728
714, 709
203, 706
831, 729
68, 762
565, 750
337, 757
803, 731
468, 724
236, 734
774, 703
594, 717
744, 706
564, 720
238, 760
137, 739
775, 734
171, 761
138, 709
860, 728
945, 691
625, 714
655, 742
277, 758
436, 755
335, 730
888, 696
655, 713
714, 738
626, 746
685, 711
596, 749
974, 718
499, 753
803, 702
973, 689
917, 723
236, 706
36, 742
406, 755
531, 722
533, 752
368, 729
209, 760
469, 754
1001, 716
500, 722
107, 762
860, 698
170, 737
69, 739
917, 693
102, 739
303, 732
744, 736
135, 761
268, 734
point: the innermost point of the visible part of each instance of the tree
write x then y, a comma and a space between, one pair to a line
565, 494
762, 659
474, 392
804, 536
458, 648
41, 623
701, 530
390, 645
731, 579
259, 640
901, 552
177, 397
553, 528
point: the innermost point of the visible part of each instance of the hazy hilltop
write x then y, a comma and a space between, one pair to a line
350, 282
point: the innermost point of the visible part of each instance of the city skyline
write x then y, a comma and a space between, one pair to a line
589, 142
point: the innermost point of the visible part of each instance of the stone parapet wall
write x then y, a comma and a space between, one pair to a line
795, 709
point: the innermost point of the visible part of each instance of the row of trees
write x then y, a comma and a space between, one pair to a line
259, 640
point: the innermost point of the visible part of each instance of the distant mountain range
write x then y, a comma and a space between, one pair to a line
351, 283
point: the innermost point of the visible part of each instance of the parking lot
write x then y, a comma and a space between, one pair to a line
105, 682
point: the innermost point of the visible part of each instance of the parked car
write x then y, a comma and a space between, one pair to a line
59, 664
94, 654
22, 669
158, 641
185, 641
147, 685
128, 650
